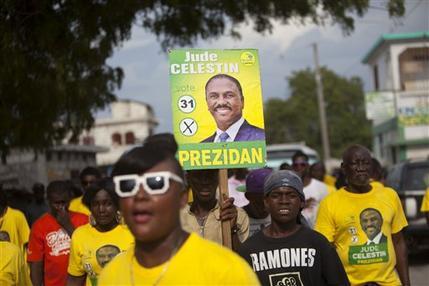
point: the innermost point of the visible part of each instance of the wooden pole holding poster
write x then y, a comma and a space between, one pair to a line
226, 225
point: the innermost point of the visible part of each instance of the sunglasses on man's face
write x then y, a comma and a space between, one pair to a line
154, 183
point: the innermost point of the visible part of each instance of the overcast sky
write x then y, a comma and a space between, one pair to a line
287, 49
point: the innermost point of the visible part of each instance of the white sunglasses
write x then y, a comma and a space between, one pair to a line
154, 183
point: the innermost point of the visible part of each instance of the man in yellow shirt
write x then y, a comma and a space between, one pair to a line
365, 224
152, 190
376, 174
88, 177
13, 223
13, 270
318, 172
425, 205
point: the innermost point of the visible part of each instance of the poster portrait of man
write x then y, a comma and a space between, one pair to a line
4, 236
225, 102
106, 253
371, 222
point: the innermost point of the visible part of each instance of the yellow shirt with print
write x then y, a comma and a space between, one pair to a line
425, 202
339, 221
13, 270
91, 249
14, 223
198, 262
76, 205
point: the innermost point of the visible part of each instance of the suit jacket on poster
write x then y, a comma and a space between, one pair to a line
247, 132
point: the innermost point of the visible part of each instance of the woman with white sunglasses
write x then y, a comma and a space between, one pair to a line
151, 185
93, 245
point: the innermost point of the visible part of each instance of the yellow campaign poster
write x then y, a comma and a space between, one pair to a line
217, 107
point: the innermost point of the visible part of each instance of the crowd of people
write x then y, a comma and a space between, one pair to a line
141, 226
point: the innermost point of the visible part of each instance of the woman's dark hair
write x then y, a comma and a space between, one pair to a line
164, 141
140, 159
105, 184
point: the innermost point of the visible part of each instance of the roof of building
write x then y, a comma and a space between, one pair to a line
127, 100
391, 38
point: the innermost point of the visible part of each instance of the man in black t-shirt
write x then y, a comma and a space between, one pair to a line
285, 253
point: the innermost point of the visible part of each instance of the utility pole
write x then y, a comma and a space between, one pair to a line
321, 103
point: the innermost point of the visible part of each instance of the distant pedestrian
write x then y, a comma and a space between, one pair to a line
376, 173
314, 190
88, 176
38, 206
285, 166
424, 208
259, 217
318, 172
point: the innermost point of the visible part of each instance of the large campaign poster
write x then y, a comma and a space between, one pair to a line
217, 106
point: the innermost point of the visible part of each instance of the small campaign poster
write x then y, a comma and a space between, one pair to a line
218, 119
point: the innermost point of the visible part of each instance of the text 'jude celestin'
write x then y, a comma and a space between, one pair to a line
203, 63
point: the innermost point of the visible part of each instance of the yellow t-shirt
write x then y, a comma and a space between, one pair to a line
329, 180
198, 262
330, 188
15, 224
376, 184
13, 270
76, 205
425, 202
339, 219
91, 249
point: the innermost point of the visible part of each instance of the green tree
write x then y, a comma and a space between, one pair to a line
53, 71
297, 118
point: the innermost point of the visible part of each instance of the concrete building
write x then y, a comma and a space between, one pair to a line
129, 123
399, 103
24, 168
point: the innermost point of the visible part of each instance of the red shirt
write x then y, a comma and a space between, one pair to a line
51, 244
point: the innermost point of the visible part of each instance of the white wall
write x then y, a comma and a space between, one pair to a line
126, 116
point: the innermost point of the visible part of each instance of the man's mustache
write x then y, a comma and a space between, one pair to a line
222, 106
